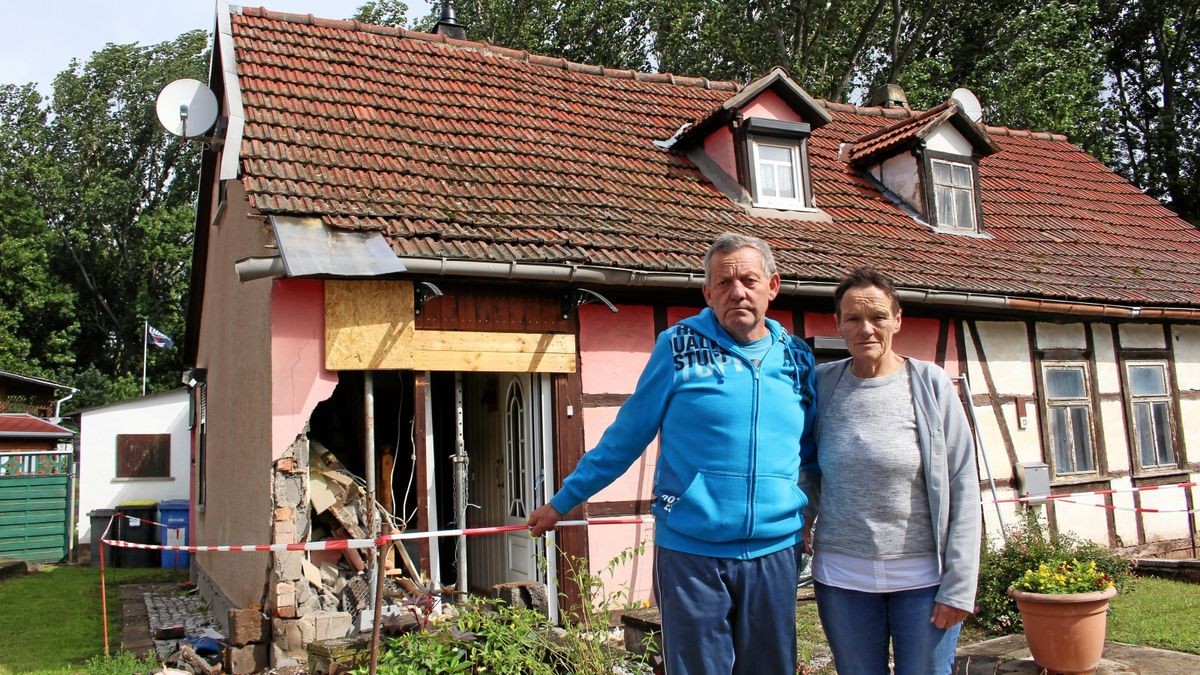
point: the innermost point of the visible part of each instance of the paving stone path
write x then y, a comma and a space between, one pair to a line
149, 607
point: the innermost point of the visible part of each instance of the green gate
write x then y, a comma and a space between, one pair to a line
35, 505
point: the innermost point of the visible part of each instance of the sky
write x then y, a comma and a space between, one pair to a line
42, 36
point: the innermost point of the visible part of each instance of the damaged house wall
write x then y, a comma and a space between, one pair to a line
234, 347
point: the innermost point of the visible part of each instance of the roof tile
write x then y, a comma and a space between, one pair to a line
466, 150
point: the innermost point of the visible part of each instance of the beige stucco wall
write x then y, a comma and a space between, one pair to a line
235, 347
1142, 336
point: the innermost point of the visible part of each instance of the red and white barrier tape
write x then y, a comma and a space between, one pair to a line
343, 544
1139, 509
1069, 495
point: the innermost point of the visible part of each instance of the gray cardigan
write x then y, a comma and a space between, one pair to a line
948, 457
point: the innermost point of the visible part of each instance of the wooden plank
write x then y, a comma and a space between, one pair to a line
501, 343
368, 325
481, 362
494, 352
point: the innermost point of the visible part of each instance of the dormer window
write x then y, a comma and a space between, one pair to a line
777, 155
775, 168
954, 194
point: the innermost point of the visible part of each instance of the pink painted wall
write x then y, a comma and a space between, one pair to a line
769, 105
917, 337
299, 379
719, 144
719, 147
613, 350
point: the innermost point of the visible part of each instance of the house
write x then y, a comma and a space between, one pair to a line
36, 487
135, 450
440, 265
32, 395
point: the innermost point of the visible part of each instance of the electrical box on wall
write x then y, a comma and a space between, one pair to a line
1033, 479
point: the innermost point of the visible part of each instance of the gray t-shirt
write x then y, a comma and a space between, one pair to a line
874, 503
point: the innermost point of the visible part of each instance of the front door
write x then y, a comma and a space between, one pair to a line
524, 436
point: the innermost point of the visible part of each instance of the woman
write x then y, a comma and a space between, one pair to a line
896, 543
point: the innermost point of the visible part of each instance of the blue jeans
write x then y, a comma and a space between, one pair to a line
860, 625
722, 615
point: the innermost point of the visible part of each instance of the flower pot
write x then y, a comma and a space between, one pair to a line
1065, 631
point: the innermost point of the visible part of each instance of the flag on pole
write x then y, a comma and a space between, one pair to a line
158, 338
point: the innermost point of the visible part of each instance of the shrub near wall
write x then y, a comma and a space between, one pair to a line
1028, 545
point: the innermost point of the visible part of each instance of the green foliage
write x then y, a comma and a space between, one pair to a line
37, 324
1154, 92
1029, 545
587, 637
492, 637
96, 219
383, 13
419, 652
121, 663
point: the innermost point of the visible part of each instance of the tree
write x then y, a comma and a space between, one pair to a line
1034, 65
97, 214
37, 324
383, 13
1153, 66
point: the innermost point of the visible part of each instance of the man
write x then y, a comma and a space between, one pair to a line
730, 391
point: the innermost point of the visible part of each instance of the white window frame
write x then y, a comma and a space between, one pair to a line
1070, 404
800, 201
957, 192
1166, 400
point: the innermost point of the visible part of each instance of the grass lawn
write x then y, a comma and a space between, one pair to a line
1157, 613
50, 620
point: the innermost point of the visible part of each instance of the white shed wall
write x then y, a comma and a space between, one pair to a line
99, 488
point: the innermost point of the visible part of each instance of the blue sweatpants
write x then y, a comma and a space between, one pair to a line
722, 615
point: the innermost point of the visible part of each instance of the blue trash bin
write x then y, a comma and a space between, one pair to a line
173, 513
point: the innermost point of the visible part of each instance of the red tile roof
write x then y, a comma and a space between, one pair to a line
463, 150
20, 424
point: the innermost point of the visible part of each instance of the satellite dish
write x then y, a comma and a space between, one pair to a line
186, 108
970, 104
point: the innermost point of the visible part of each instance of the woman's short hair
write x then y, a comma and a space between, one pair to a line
864, 277
728, 242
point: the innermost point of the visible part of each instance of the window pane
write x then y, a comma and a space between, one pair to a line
965, 204
787, 185
1064, 383
941, 172
1080, 429
944, 197
775, 153
767, 176
1143, 429
1162, 434
1060, 430
1147, 381
962, 175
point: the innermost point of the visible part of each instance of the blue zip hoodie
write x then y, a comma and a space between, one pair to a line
729, 453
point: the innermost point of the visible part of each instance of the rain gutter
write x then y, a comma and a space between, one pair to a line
616, 276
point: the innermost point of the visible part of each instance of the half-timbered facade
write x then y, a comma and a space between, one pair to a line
443, 264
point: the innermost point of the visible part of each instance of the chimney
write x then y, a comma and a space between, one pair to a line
888, 96
448, 25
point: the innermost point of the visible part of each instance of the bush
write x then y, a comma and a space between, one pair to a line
1027, 546
489, 636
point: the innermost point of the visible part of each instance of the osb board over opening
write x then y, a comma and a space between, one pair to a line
369, 325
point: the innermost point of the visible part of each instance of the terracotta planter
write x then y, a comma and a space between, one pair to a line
1065, 631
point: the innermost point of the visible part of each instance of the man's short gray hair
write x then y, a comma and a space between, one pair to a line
728, 242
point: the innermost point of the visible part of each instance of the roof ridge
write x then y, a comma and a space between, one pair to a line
1025, 133
516, 54
901, 113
